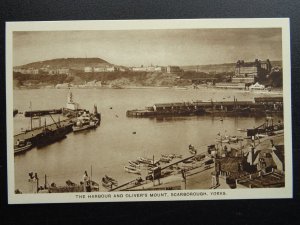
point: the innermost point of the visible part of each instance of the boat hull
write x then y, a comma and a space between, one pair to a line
22, 149
49, 137
84, 127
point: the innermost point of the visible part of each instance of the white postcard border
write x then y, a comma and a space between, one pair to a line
211, 194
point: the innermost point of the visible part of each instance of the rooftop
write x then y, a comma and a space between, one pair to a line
273, 179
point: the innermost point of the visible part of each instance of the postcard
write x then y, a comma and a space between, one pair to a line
148, 110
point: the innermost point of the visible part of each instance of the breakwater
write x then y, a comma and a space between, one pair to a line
260, 106
42, 112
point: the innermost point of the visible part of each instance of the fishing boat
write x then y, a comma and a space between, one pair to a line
188, 161
200, 157
112, 180
132, 170
106, 183
109, 182
81, 125
171, 156
144, 160
177, 156
22, 146
233, 139
87, 120
165, 159
192, 150
134, 163
48, 136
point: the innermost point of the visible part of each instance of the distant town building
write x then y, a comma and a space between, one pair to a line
122, 69
149, 69
26, 71
231, 85
248, 72
58, 71
111, 69
160, 69
99, 69
173, 69
88, 69
63, 71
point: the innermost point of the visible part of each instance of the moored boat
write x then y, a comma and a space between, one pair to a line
48, 136
192, 150
165, 159
144, 160
134, 163
84, 125
188, 161
132, 170
109, 182
22, 146
112, 180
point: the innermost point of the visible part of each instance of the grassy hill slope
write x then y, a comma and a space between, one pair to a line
71, 63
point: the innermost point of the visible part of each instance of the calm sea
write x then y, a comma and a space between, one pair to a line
108, 148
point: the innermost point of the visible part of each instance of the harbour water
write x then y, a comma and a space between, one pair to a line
118, 139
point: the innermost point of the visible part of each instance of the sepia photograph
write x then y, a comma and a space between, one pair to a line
148, 110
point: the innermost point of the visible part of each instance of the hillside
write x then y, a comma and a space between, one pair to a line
117, 78
71, 63
191, 74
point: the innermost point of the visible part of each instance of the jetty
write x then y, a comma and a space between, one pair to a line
260, 106
42, 112
164, 174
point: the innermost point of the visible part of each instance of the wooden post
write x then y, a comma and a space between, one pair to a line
45, 186
30, 117
91, 172
153, 174
37, 183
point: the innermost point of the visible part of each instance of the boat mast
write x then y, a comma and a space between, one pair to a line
30, 116
91, 172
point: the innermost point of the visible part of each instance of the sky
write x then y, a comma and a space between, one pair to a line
150, 47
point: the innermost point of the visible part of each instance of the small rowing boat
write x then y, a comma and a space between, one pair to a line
112, 180
22, 146
144, 160
132, 170
165, 160
134, 163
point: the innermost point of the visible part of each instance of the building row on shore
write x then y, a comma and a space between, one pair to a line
89, 69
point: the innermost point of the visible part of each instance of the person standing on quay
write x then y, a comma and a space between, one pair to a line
85, 181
